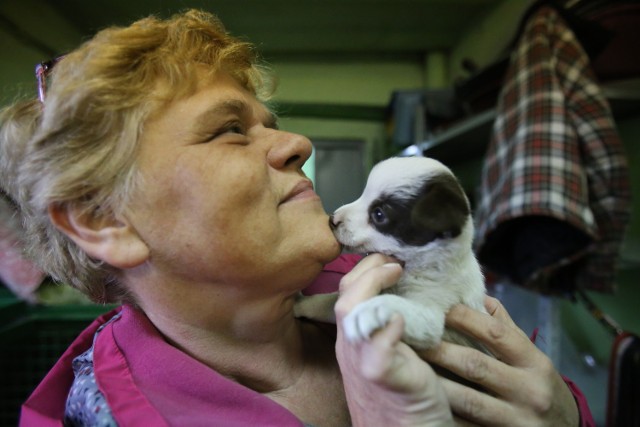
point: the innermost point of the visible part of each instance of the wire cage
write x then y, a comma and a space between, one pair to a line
32, 338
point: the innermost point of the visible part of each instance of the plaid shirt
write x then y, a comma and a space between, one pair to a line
554, 157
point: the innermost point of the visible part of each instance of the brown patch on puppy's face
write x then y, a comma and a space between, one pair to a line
442, 207
407, 202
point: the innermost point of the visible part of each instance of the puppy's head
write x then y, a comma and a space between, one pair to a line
407, 202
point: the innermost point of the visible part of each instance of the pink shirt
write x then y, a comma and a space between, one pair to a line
146, 381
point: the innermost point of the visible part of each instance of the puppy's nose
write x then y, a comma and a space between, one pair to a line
333, 223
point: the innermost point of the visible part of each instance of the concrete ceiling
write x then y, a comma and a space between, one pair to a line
295, 28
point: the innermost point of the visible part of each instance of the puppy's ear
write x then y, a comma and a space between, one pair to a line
442, 207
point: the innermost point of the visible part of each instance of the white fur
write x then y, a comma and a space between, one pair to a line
436, 276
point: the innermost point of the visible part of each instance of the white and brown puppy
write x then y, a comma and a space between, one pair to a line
413, 209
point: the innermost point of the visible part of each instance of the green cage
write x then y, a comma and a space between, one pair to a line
32, 338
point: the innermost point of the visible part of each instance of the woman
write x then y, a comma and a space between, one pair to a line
151, 172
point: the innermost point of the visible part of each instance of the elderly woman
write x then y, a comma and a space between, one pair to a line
151, 172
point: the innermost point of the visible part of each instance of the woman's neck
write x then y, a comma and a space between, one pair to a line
257, 342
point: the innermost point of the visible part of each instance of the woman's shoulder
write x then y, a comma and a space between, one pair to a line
46, 405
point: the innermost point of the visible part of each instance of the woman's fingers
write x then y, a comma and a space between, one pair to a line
514, 355
379, 352
520, 383
366, 280
366, 264
496, 332
385, 381
481, 408
476, 367
495, 308
534, 395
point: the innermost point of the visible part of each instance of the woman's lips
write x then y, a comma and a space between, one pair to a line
301, 191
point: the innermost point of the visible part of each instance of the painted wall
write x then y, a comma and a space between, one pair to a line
18, 58
488, 38
369, 83
366, 82
332, 82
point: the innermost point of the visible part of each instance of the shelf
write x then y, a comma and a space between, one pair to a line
468, 139
624, 97
463, 141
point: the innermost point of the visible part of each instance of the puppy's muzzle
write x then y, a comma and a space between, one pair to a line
333, 223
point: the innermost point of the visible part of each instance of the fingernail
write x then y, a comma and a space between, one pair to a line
391, 265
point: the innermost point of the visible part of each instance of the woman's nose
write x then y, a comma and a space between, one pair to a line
289, 149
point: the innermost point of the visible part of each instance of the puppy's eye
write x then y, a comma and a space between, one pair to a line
378, 216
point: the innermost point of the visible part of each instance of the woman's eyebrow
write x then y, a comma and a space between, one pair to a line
220, 110
234, 107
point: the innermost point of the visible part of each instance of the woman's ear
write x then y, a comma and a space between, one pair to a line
109, 239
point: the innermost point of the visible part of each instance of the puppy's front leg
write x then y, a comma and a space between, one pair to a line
423, 325
316, 307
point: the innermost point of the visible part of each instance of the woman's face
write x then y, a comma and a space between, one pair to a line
224, 198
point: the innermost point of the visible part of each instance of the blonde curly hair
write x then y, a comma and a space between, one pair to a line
79, 147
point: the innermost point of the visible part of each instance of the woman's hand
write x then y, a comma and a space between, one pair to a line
524, 389
385, 381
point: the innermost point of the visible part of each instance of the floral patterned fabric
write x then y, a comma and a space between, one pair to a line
86, 405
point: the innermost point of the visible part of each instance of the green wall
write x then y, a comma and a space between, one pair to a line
623, 306
358, 82
334, 84
19, 58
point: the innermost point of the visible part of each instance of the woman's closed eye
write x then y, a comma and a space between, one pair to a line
234, 128
228, 129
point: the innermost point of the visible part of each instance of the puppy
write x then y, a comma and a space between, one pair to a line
415, 210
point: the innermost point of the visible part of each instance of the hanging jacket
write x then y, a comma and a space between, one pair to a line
555, 194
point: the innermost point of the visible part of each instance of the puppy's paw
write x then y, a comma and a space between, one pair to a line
366, 318
423, 326
316, 307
